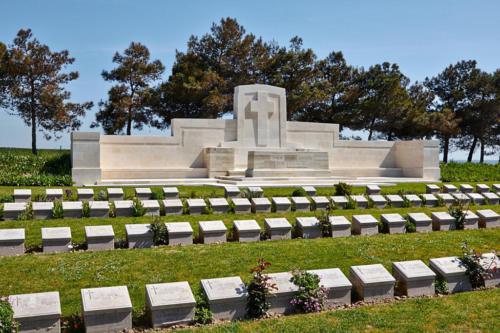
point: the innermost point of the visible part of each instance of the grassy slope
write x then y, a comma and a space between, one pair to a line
466, 312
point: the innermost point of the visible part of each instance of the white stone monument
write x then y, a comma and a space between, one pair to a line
278, 228
170, 304
226, 297
40, 312
179, 233
279, 298
246, 231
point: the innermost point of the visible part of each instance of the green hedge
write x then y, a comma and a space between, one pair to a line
469, 172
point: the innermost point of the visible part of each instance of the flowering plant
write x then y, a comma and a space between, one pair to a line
310, 296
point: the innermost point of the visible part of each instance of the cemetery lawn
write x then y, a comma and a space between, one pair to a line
475, 311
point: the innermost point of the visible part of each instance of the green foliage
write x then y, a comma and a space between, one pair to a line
102, 195
48, 168
410, 226
475, 269
6, 198
72, 324
299, 192
469, 172
258, 290
310, 296
85, 209
324, 223
160, 233
202, 314
7, 323
441, 286
343, 189
27, 214
139, 209
351, 203
458, 212
157, 194
406, 202
440, 202
57, 210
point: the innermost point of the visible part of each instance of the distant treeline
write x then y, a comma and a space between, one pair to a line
460, 106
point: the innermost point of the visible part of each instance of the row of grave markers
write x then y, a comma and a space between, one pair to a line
109, 309
125, 208
58, 239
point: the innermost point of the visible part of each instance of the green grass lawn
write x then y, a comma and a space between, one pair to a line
466, 312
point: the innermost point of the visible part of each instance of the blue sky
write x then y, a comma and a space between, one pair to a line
421, 36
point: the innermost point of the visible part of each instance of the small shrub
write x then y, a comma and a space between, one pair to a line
324, 223
457, 211
159, 230
7, 323
72, 324
139, 209
440, 202
157, 194
406, 203
258, 290
57, 211
6, 198
441, 286
343, 189
310, 296
120, 243
299, 192
27, 214
86, 209
477, 268
112, 209
202, 313
1, 212
351, 203
193, 195
102, 195
41, 197
69, 195
410, 226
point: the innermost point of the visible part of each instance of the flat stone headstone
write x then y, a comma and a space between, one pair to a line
320, 202
99, 209
56, 239
442, 221
394, 223
42, 210
378, 200
151, 207
372, 189
261, 205
423, 223
337, 285
310, 190
364, 225
361, 201
496, 187
280, 298
308, 227
212, 232
12, 242
414, 200
372, 282
432, 188
491, 264
339, 201
471, 220
196, 206
124, 208
453, 272
301, 204
476, 198
466, 188
143, 193
491, 198
447, 198
246, 230
139, 236
278, 228
22, 195
179, 233
241, 205
430, 200
395, 200
232, 191
281, 204
413, 278
170, 304
449, 188
85, 194
170, 192
107, 309
256, 191
39, 312
340, 226
219, 205
100, 237
115, 193
488, 218
72, 209
226, 297
54, 194
482, 188
461, 198
173, 206
12, 210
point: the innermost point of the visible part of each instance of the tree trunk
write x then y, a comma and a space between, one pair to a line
481, 158
446, 147
33, 133
129, 121
371, 129
472, 148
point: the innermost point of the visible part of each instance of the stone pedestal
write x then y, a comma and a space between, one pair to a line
54, 194
232, 191
72, 209
476, 198
453, 272
241, 205
491, 198
256, 191
170, 192
12, 210
34, 313
372, 189
308, 227
124, 208
413, 278
447, 198
414, 200
100, 237
340, 226
179, 233
139, 236
85, 194
196, 206
226, 297
151, 207
281, 204
143, 193
361, 201
107, 309
393, 223
56, 239
372, 282
339, 201
320, 202
337, 285
170, 304
488, 218
466, 188
246, 231
310, 190
42, 210
395, 200
491, 264
482, 188
212, 232
461, 198
219, 205
471, 220
430, 200
496, 187
11, 242
278, 228
22, 195
99, 209
442, 221
279, 299
364, 225
173, 206
115, 193
261, 205
432, 188
378, 200
301, 204
449, 188
423, 223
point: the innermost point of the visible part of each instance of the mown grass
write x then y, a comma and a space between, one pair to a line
472, 172
466, 312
